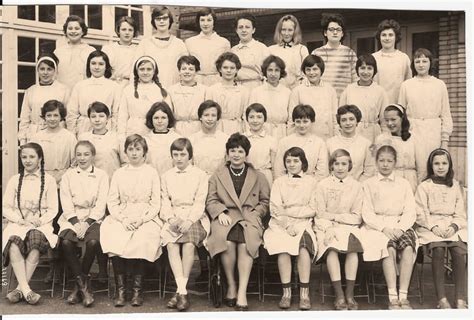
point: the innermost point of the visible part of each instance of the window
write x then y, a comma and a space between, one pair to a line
92, 14
314, 45
365, 46
37, 13
430, 41
134, 11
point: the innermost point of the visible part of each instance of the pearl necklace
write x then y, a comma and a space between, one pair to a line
237, 174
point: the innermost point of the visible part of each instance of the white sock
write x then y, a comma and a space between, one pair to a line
179, 285
403, 294
20, 274
30, 269
392, 294
184, 285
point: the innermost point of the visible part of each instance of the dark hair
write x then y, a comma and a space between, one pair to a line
39, 151
52, 105
135, 139
302, 111
207, 105
422, 52
327, 18
228, 56
257, 107
348, 108
386, 149
296, 152
448, 180
278, 61
339, 153
86, 143
159, 106
405, 135
369, 60
192, 60
246, 16
161, 11
237, 140
48, 62
205, 12
136, 78
98, 107
312, 60
74, 18
95, 54
388, 24
181, 144
128, 20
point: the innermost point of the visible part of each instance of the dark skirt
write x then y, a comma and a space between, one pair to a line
408, 238
460, 245
34, 239
236, 234
307, 242
195, 235
93, 233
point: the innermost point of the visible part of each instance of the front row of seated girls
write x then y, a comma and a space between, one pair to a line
338, 216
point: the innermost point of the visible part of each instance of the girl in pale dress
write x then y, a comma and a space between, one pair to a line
35, 96
131, 233
160, 120
274, 95
231, 96
183, 200
389, 212
442, 225
30, 203
83, 198
207, 46
97, 87
73, 55
187, 95
288, 46
289, 233
339, 216
368, 96
426, 100
138, 97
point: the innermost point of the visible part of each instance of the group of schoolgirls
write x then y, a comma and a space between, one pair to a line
130, 127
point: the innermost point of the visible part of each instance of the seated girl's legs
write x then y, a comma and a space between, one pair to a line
352, 262
228, 259
18, 265
334, 269
304, 271
189, 249
244, 265
176, 264
92, 247
406, 268
458, 257
437, 266
390, 273
284, 268
69, 251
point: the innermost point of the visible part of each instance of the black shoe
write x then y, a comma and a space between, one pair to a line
74, 297
183, 303
239, 307
137, 299
230, 302
120, 282
83, 282
173, 302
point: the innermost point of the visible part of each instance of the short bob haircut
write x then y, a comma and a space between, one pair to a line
279, 63
327, 18
86, 143
205, 12
296, 152
419, 53
159, 106
386, 149
448, 180
52, 105
303, 111
128, 20
348, 108
74, 18
98, 107
192, 60
161, 11
136, 139
388, 24
228, 56
297, 35
257, 107
312, 60
207, 105
339, 153
181, 144
369, 60
246, 16
403, 115
95, 54
237, 140
49, 63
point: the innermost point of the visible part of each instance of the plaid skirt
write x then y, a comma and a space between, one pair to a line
93, 233
307, 242
236, 234
462, 246
34, 239
196, 235
408, 238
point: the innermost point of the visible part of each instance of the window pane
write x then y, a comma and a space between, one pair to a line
428, 40
120, 12
47, 14
136, 6
47, 45
94, 16
138, 17
26, 12
77, 10
26, 49
365, 46
20, 102
26, 77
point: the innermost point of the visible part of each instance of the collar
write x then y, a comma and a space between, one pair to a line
391, 177
212, 35
187, 169
287, 44
241, 45
260, 134
97, 80
36, 173
309, 84
336, 179
296, 176
90, 169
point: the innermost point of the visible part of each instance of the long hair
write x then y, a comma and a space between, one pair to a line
95, 54
39, 151
448, 180
402, 114
297, 35
136, 78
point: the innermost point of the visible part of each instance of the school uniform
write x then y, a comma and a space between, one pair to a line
251, 56
363, 164
121, 60
323, 99
233, 100
185, 102
293, 56
372, 101
275, 100
209, 150
314, 149
134, 192
33, 100
72, 63
263, 147
392, 69
83, 95
207, 48
159, 155
183, 196
291, 204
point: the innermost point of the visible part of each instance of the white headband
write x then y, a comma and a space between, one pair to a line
48, 59
146, 58
398, 106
